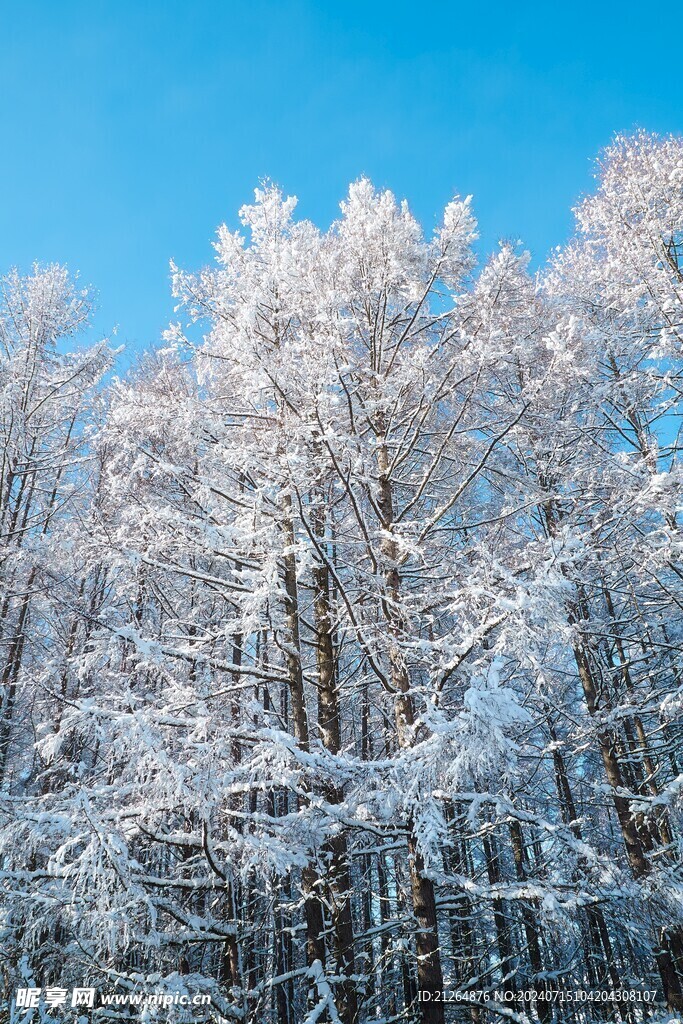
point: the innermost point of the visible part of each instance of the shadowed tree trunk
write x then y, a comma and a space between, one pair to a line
329, 723
310, 880
429, 971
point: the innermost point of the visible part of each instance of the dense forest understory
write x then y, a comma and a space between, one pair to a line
340, 642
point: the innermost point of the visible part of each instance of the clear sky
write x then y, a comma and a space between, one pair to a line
130, 130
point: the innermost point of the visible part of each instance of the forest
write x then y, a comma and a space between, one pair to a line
341, 637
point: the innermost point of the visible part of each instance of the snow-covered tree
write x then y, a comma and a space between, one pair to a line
348, 634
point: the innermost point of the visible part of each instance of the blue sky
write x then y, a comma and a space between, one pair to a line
130, 130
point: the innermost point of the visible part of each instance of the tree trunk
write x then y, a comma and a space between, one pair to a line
543, 1006
429, 972
310, 881
339, 879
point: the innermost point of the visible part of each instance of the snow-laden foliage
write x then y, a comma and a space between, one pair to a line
342, 647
